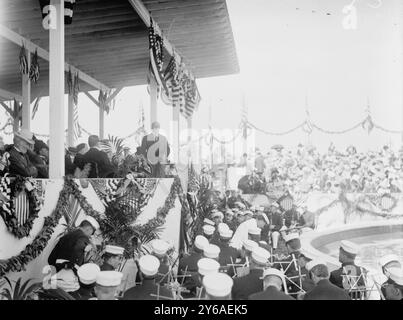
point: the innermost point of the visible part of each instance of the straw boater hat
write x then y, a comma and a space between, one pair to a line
109, 278
208, 229
274, 272
218, 284
92, 221
115, 250
260, 256
160, 247
211, 251
349, 247
88, 272
249, 245
201, 242
208, 221
396, 274
207, 266
25, 135
383, 261
226, 234
149, 265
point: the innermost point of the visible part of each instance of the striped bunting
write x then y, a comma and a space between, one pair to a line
21, 206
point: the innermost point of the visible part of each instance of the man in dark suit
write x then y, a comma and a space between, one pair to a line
101, 166
72, 246
19, 163
148, 290
273, 282
252, 283
155, 148
323, 290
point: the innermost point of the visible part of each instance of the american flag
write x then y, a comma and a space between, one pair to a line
21, 206
36, 107
73, 86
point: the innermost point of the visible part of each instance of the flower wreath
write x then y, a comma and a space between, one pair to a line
10, 190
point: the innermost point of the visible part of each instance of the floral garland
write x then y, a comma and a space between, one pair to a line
33, 250
7, 210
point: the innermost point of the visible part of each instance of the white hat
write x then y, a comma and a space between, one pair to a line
254, 231
201, 242
260, 255
350, 247
248, 212
206, 266
313, 263
208, 230
263, 243
260, 208
275, 204
109, 278
222, 227
396, 274
211, 251
149, 265
114, 250
209, 222
88, 272
61, 261
217, 214
384, 260
273, 272
226, 234
250, 245
25, 135
159, 247
67, 280
93, 222
218, 284
291, 236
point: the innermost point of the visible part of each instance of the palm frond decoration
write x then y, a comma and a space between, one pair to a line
21, 290
115, 148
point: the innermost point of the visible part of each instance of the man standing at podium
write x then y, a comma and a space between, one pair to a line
155, 148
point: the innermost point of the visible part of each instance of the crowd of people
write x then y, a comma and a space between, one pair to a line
238, 254
306, 169
29, 157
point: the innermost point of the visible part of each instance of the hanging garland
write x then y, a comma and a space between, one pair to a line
34, 70
33, 250
7, 211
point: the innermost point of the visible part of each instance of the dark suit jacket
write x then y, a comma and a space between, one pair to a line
20, 164
145, 291
271, 293
226, 253
337, 279
324, 290
70, 247
100, 158
107, 267
147, 142
245, 286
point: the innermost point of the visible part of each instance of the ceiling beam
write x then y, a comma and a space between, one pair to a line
7, 95
30, 46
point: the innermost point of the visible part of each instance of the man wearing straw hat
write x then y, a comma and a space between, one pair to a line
273, 284
19, 161
113, 256
149, 289
251, 283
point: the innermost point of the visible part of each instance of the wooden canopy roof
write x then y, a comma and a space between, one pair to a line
108, 41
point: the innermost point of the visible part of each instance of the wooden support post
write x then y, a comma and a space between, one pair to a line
56, 93
153, 101
101, 123
70, 122
175, 143
190, 146
26, 96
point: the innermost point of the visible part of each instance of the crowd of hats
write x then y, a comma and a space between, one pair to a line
306, 169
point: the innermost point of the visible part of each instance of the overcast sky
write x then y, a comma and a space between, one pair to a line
291, 52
